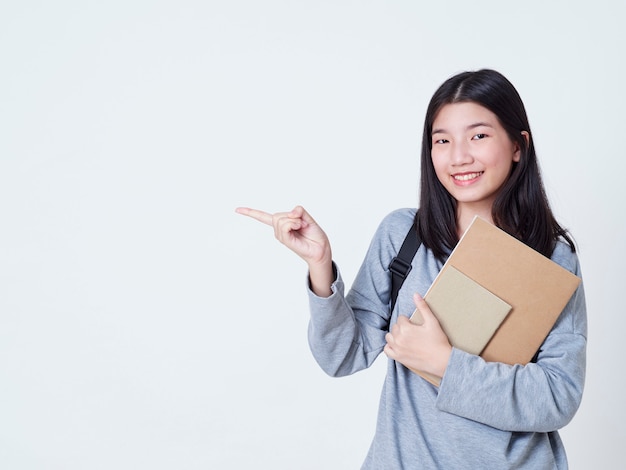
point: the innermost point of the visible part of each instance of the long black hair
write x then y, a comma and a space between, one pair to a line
521, 207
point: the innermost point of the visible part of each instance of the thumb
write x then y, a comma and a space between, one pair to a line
422, 312
299, 212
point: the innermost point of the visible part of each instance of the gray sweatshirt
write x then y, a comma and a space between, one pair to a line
484, 415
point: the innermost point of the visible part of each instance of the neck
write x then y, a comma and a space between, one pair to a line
465, 214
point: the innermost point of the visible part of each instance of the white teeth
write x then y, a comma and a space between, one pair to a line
467, 177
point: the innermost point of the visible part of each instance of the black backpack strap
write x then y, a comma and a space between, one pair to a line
400, 266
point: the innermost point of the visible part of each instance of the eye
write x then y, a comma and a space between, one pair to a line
441, 141
479, 136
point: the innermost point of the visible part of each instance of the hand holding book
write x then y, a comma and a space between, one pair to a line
424, 347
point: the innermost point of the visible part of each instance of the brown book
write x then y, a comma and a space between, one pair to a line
535, 287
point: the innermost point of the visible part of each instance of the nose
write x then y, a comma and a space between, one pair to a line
460, 153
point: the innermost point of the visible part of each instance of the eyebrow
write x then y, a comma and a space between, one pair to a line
471, 126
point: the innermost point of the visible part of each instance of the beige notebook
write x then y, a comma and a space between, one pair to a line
468, 313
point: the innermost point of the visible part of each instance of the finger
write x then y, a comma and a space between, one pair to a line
283, 226
417, 318
389, 351
261, 216
389, 338
418, 300
299, 212
422, 308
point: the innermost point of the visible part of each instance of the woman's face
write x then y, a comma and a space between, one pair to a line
472, 154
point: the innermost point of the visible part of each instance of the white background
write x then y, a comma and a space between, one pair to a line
143, 324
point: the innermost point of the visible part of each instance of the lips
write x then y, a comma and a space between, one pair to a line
467, 176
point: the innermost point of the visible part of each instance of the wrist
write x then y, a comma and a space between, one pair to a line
321, 277
444, 360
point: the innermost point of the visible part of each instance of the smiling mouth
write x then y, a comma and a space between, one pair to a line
467, 176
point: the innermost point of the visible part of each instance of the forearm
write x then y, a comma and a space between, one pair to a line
340, 343
539, 397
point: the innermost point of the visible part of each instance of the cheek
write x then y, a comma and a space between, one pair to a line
504, 163
439, 165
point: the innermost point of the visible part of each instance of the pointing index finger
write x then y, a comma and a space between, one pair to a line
261, 216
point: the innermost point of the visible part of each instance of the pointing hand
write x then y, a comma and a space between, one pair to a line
298, 231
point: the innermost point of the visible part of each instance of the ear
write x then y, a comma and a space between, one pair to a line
526, 137
518, 152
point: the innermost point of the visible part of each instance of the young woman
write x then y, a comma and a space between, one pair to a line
478, 158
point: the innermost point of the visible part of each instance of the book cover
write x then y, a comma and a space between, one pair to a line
468, 313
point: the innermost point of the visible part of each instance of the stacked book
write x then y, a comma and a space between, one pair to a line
496, 297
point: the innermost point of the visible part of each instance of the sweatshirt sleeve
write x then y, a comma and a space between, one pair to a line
541, 396
347, 332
